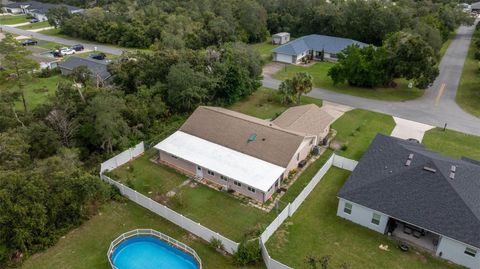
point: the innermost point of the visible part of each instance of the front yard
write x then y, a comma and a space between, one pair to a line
320, 79
316, 230
36, 25
356, 130
86, 246
14, 19
265, 104
452, 143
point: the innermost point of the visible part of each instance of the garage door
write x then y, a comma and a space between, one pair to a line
284, 58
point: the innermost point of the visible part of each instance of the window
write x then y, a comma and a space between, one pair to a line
210, 172
470, 251
376, 218
251, 189
298, 156
348, 208
237, 183
173, 156
224, 178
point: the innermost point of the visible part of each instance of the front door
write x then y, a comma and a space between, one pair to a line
199, 171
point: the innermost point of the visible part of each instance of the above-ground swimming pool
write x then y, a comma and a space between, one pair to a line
148, 249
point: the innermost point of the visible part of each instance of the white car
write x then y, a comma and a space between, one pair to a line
66, 51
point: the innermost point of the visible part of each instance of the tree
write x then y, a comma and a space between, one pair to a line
15, 64
43, 141
13, 150
185, 91
411, 58
81, 74
56, 16
293, 88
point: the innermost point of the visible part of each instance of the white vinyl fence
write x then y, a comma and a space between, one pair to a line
161, 210
335, 160
122, 158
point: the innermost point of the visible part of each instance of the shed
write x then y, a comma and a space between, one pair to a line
280, 38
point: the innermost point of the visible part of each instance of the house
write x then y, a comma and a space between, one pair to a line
280, 38
36, 9
475, 7
45, 61
420, 197
312, 46
98, 68
242, 153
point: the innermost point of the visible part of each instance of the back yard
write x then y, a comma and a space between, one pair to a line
86, 246
320, 79
316, 230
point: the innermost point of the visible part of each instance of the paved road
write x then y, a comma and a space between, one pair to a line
69, 42
425, 109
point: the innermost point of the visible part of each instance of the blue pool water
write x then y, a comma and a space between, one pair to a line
146, 252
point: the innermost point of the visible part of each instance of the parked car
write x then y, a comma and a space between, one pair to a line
29, 42
66, 51
77, 47
34, 20
56, 53
98, 56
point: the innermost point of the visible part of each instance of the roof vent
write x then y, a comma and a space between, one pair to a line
409, 160
429, 169
453, 168
252, 137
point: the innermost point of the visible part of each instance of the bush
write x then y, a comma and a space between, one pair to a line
477, 55
48, 72
216, 243
248, 253
344, 147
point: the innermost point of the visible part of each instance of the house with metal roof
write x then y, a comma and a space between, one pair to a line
312, 46
238, 152
36, 9
98, 68
424, 199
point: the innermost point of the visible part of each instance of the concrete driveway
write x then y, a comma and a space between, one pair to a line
436, 107
409, 129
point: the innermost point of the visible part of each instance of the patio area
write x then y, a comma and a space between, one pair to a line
415, 236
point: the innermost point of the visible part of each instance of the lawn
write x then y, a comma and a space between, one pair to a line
265, 50
452, 143
316, 230
36, 25
86, 246
357, 128
37, 90
468, 94
50, 45
320, 79
265, 104
214, 209
8, 20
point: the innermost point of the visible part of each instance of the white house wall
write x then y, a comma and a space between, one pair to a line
363, 216
454, 251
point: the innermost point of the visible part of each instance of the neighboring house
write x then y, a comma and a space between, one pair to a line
98, 68
280, 38
242, 153
432, 201
36, 9
45, 61
312, 46
475, 7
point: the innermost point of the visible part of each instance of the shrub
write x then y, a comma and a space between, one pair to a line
48, 72
477, 55
344, 147
129, 183
248, 253
216, 243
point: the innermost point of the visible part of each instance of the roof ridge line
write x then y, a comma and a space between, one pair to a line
273, 126
302, 114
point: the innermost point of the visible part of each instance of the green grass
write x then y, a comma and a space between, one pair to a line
452, 143
201, 204
468, 94
357, 128
265, 104
148, 177
320, 79
37, 90
16, 19
265, 50
51, 45
86, 246
316, 230
36, 25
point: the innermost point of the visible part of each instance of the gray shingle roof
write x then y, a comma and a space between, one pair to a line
97, 67
330, 44
430, 200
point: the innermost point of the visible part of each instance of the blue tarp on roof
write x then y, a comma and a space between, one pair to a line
330, 44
